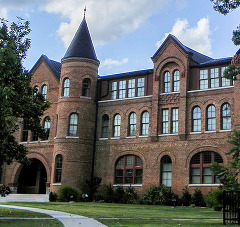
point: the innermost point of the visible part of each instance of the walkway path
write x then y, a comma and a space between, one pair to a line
69, 220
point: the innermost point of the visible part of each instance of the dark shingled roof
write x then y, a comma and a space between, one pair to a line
196, 57
81, 45
53, 65
127, 74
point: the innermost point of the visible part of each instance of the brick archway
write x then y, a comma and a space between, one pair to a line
32, 178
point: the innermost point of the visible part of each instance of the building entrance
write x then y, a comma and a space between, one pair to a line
32, 178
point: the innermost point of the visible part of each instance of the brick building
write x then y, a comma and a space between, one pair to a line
163, 125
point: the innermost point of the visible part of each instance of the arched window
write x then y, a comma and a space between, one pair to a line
196, 119
44, 91
132, 124
46, 127
105, 126
58, 168
129, 170
66, 87
86, 87
145, 123
200, 172
211, 118
176, 81
116, 125
166, 82
166, 171
73, 125
226, 117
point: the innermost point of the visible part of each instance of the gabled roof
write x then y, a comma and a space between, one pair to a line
196, 56
81, 45
53, 65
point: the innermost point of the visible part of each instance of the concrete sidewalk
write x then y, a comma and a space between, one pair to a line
68, 220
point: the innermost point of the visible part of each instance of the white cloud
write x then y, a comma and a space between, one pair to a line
197, 38
108, 20
3, 13
111, 62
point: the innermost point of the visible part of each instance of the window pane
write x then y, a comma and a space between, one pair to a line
132, 124
73, 125
176, 81
86, 87
114, 90
145, 123
196, 116
122, 89
211, 118
174, 120
203, 79
129, 161
116, 125
166, 82
66, 87
131, 88
165, 121
141, 85
225, 81
214, 78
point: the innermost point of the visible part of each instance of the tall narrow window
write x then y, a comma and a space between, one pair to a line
114, 90
86, 87
175, 120
105, 126
226, 117
145, 123
166, 171
46, 127
66, 87
132, 124
176, 81
166, 82
200, 168
225, 81
129, 170
203, 79
214, 78
196, 119
58, 168
165, 121
44, 91
122, 89
117, 125
140, 87
211, 118
25, 130
131, 88
73, 125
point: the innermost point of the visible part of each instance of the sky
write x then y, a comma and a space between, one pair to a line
125, 33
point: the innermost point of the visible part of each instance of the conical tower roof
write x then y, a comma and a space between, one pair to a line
81, 45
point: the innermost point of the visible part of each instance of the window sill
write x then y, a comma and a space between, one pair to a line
210, 131
103, 138
44, 141
170, 93
56, 184
193, 133
33, 142
136, 97
145, 136
131, 137
85, 97
174, 134
127, 185
204, 185
115, 138
23, 142
225, 130
72, 137
210, 89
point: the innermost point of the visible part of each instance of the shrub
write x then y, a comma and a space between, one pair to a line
130, 196
158, 195
107, 192
53, 196
186, 197
93, 186
119, 194
68, 193
215, 199
197, 198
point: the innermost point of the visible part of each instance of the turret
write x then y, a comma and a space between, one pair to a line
73, 149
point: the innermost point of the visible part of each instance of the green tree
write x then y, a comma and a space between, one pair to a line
228, 175
224, 7
18, 100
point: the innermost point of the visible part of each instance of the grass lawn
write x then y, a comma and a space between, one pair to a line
23, 218
137, 215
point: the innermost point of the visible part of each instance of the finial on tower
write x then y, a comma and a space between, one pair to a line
85, 9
